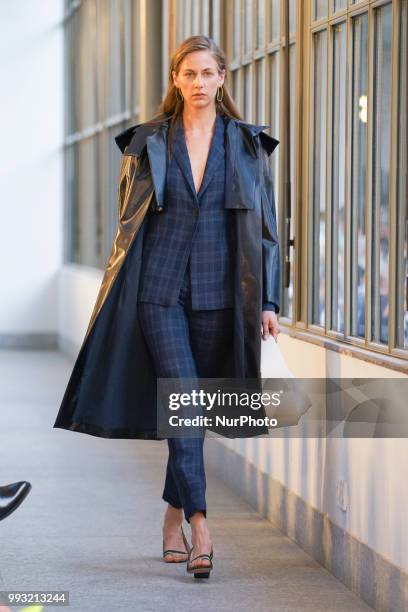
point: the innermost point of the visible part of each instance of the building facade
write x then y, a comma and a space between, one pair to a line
335, 97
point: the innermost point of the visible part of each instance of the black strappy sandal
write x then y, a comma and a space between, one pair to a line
169, 551
200, 571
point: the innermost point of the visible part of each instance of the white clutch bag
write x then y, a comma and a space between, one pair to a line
294, 402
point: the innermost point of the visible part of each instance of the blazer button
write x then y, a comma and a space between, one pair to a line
159, 208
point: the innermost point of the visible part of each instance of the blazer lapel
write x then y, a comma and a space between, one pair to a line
214, 155
180, 153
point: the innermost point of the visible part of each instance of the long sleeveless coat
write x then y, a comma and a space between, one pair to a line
111, 392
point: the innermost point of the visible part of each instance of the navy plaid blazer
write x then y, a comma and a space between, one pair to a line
194, 229
193, 235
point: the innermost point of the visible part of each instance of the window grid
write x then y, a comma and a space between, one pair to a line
255, 70
374, 189
101, 71
193, 18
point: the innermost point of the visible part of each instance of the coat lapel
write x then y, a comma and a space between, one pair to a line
241, 158
157, 152
241, 167
151, 136
242, 162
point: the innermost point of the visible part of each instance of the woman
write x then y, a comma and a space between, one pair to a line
197, 250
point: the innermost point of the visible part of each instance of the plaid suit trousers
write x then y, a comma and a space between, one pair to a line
186, 343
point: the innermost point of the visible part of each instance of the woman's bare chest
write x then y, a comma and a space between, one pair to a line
198, 148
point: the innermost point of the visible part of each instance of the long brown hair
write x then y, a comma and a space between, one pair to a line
171, 106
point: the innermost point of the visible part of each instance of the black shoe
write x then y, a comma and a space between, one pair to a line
200, 571
11, 497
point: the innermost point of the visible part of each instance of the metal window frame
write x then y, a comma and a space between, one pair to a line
387, 355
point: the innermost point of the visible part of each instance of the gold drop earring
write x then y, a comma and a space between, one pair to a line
220, 99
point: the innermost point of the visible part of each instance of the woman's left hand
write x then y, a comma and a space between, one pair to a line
270, 325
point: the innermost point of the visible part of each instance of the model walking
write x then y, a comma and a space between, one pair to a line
192, 281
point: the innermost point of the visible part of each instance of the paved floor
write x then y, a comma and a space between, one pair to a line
92, 522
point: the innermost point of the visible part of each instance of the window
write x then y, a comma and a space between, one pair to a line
255, 47
357, 174
358, 178
194, 18
337, 167
401, 314
318, 179
380, 213
102, 57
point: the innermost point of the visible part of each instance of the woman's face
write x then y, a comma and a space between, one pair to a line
198, 74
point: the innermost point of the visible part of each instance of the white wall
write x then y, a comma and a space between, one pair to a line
78, 289
31, 179
375, 469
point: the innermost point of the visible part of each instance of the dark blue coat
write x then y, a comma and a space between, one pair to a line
112, 390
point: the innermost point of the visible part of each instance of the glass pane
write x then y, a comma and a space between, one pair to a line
273, 93
103, 17
288, 291
292, 16
109, 182
115, 86
236, 38
402, 194
87, 63
273, 120
235, 87
179, 10
87, 202
135, 50
260, 92
381, 172
337, 5
320, 8
338, 89
318, 158
260, 24
71, 43
195, 18
248, 90
101, 52
186, 18
274, 19
358, 173
72, 225
248, 15
205, 19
